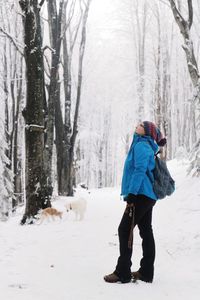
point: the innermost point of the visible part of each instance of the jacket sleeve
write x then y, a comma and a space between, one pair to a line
142, 153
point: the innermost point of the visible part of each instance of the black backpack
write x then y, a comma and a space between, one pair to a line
163, 184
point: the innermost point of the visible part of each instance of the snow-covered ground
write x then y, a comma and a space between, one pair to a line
67, 259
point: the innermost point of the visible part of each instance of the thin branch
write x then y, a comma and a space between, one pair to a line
190, 11
81, 55
71, 13
48, 47
48, 65
73, 38
43, 18
12, 41
178, 17
41, 3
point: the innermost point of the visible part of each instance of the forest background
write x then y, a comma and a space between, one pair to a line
76, 77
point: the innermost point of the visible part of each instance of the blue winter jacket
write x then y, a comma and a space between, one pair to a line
139, 162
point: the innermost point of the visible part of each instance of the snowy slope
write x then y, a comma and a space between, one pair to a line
67, 259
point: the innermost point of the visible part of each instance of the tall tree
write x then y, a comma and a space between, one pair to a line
162, 99
17, 136
34, 112
66, 131
55, 30
185, 28
158, 83
141, 40
62, 127
6, 178
6, 175
13, 89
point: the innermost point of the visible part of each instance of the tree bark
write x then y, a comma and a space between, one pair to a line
66, 163
17, 159
36, 179
185, 26
63, 125
55, 26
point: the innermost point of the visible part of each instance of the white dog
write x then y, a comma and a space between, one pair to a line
78, 206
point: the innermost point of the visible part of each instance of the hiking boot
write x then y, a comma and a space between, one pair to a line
113, 278
138, 276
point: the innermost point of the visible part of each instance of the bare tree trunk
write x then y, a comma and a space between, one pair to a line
55, 25
17, 158
16, 95
100, 167
78, 98
59, 129
185, 26
158, 100
141, 35
36, 189
6, 102
63, 128
12, 57
166, 101
66, 172
166, 98
162, 87
7, 165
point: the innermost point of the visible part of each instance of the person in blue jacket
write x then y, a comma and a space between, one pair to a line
137, 191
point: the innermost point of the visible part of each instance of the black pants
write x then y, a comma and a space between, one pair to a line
142, 217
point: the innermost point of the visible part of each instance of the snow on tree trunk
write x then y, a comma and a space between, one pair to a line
141, 38
185, 26
34, 112
6, 178
17, 146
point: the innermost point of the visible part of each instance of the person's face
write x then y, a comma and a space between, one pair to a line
140, 129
